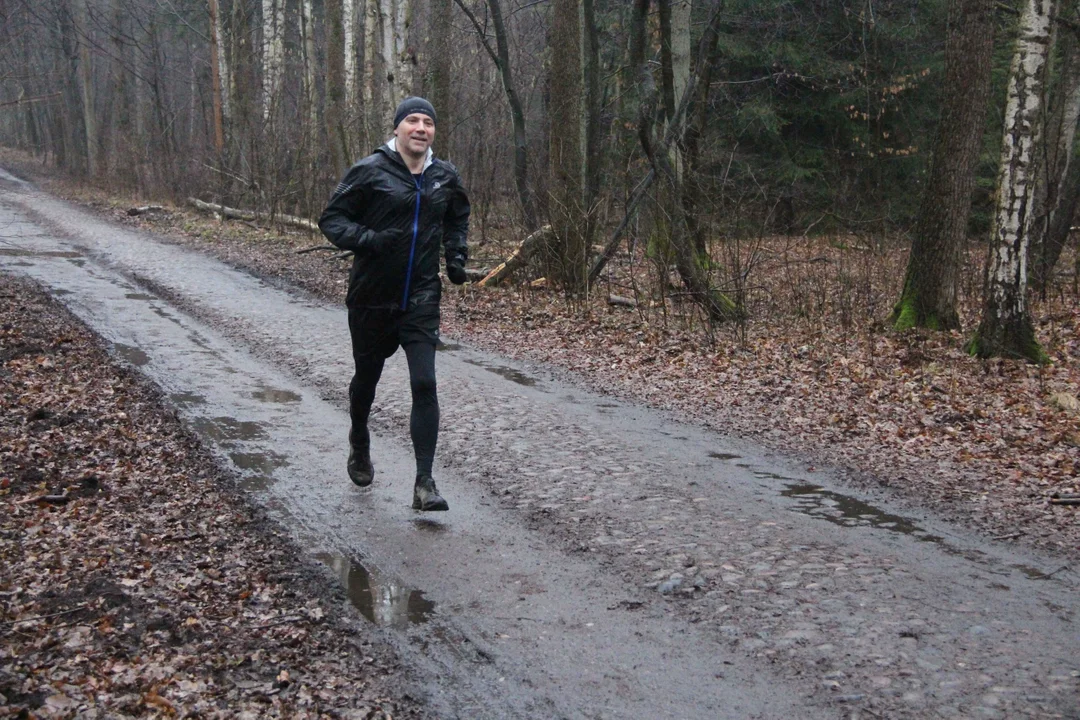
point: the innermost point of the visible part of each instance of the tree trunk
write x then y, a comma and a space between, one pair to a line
1006, 329
693, 267
594, 104
348, 23
273, 12
1060, 225
930, 284
517, 114
439, 62
501, 58
390, 87
404, 61
1063, 113
311, 92
86, 85
667, 72
215, 79
335, 86
680, 45
569, 261
373, 89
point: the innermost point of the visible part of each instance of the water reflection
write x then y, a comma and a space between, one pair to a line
379, 598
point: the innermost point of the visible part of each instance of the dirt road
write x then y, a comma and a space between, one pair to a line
599, 560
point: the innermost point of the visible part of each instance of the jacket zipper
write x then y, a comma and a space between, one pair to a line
412, 248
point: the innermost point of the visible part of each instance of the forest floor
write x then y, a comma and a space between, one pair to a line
815, 372
136, 580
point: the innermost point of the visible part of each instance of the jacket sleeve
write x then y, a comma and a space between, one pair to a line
456, 223
339, 220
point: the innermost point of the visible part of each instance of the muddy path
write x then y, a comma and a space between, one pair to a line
599, 560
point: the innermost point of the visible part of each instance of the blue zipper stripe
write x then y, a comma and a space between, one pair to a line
412, 248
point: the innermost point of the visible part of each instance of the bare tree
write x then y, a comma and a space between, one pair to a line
1006, 328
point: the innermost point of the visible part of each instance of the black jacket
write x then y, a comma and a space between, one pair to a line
379, 193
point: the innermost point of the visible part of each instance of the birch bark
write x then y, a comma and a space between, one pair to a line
272, 52
86, 85
1006, 329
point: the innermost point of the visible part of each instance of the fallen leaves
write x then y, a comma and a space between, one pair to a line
132, 581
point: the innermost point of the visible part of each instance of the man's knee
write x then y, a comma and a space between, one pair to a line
424, 387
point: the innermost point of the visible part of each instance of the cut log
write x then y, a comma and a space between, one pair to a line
519, 257
621, 301
237, 214
143, 210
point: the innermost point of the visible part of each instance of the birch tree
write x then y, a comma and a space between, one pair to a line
335, 85
930, 284
1006, 328
373, 91
273, 59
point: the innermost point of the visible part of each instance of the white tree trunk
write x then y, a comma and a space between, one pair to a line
272, 52
680, 45
386, 22
307, 33
1005, 313
224, 73
348, 16
373, 89
403, 64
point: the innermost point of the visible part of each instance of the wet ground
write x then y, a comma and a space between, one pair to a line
599, 560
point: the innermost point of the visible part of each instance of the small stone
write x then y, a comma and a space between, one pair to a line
671, 584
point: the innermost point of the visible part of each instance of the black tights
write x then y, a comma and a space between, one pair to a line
424, 421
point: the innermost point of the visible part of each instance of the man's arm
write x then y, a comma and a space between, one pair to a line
456, 225
338, 222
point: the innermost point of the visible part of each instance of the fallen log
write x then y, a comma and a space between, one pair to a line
621, 301
519, 257
143, 210
238, 214
316, 248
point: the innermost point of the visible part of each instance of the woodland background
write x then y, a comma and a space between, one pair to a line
702, 144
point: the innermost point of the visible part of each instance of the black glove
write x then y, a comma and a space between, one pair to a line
383, 240
455, 270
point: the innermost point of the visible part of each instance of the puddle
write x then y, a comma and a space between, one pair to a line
223, 429
139, 296
133, 355
447, 347
273, 395
187, 398
724, 456
507, 372
20, 252
849, 512
258, 469
379, 599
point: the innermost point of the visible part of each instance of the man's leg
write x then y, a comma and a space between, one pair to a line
368, 363
424, 423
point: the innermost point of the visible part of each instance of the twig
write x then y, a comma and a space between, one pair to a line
43, 617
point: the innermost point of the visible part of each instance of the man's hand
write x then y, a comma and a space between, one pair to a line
455, 270
383, 240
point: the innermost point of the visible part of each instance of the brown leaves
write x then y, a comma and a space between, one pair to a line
131, 582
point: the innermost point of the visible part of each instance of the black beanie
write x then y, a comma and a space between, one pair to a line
412, 105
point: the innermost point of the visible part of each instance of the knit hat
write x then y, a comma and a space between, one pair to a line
412, 105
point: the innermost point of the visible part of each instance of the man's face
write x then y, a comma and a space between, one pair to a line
415, 134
